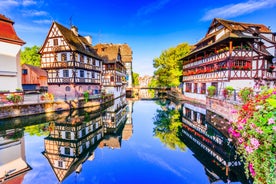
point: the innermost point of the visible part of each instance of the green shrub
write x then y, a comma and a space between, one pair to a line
245, 94
211, 90
86, 96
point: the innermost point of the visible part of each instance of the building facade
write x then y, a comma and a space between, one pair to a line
231, 54
114, 70
10, 45
33, 78
71, 63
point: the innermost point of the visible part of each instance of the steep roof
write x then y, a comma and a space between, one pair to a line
109, 51
235, 30
36, 69
7, 32
76, 42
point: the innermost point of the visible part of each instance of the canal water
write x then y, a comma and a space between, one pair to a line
127, 142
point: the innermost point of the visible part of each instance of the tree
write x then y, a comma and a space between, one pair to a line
167, 128
169, 66
30, 56
135, 79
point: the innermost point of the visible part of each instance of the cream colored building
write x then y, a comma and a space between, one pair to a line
10, 45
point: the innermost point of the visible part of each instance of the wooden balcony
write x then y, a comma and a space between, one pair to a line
70, 80
69, 64
218, 57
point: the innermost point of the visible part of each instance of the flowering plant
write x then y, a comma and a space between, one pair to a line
255, 130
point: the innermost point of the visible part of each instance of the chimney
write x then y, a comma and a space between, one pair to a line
88, 39
74, 29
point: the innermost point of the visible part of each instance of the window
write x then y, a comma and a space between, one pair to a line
67, 135
65, 73
63, 57
60, 163
203, 88
195, 116
81, 73
55, 42
188, 87
81, 58
112, 79
188, 113
67, 88
195, 87
118, 57
67, 151
94, 62
83, 132
24, 71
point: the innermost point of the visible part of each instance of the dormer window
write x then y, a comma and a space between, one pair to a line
119, 57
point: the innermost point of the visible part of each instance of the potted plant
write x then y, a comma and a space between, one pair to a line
227, 92
245, 94
211, 90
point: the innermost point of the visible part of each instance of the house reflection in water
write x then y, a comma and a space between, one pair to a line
210, 147
116, 123
13, 165
73, 139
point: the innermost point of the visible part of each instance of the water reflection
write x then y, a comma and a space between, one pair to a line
73, 139
210, 146
13, 165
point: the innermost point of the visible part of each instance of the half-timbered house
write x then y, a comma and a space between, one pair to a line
10, 45
114, 70
231, 54
71, 62
33, 78
71, 141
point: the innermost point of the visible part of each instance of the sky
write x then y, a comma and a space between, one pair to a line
147, 26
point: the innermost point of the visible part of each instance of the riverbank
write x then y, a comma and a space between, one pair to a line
33, 106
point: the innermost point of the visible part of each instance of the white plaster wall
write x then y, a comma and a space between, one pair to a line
10, 70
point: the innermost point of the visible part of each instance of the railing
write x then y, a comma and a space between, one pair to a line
69, 64
218, 57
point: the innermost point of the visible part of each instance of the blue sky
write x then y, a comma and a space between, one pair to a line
148, 26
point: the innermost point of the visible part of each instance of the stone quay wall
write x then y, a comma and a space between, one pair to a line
16, 110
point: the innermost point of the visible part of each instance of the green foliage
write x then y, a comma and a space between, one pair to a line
169, 66
30, 56
86, 96
14, 98
255, 131
245, 94
167, 128
211, 90
228, 91
135, 79
37, 130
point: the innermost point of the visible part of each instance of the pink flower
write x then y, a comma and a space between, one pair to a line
251, 169
255, 143
274, 128
271, 121
234, 111
249, 149
240, 127
241, 140
259, 130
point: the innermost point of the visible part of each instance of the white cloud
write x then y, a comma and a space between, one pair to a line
45, 21
151, 8
28, 2
8, 4
34, 13
234, 10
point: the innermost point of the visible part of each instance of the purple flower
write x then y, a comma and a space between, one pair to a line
234, 111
